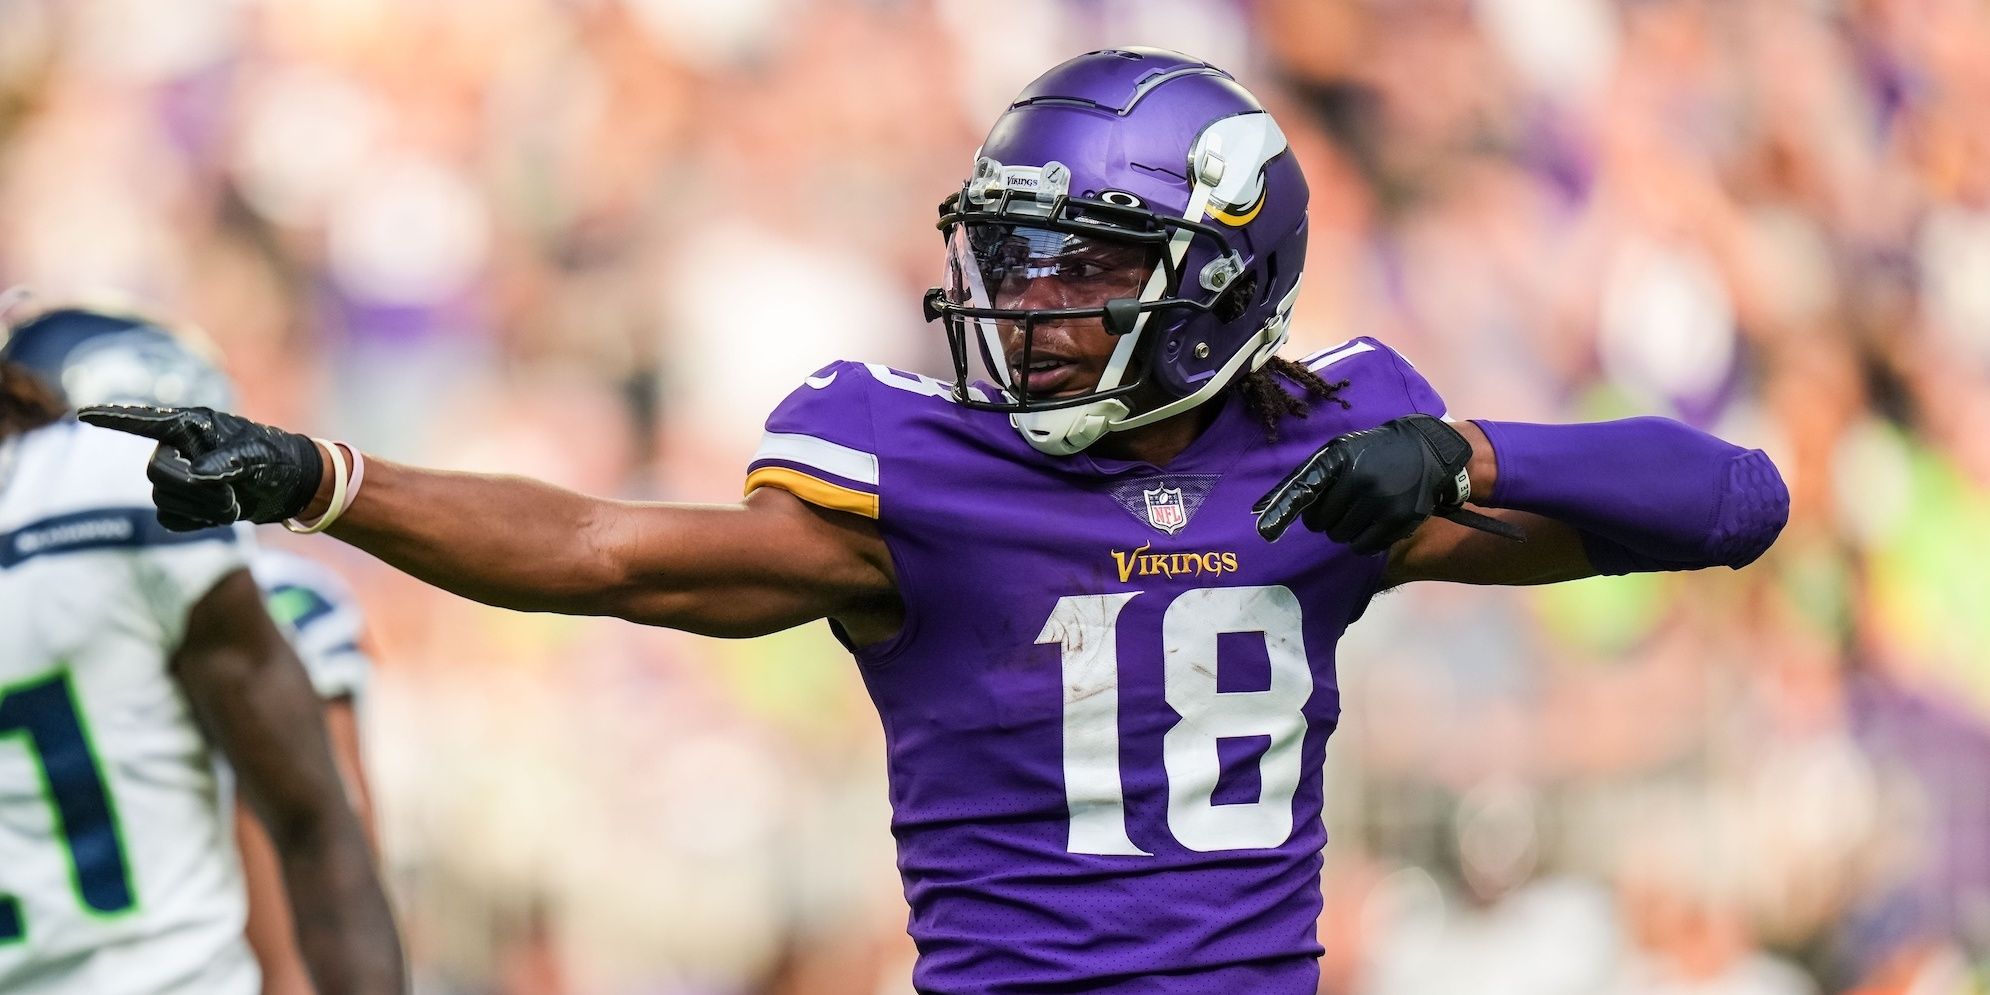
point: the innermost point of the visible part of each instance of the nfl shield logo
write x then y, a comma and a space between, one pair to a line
1164, 509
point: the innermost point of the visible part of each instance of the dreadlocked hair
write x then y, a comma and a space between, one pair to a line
25, 402
1270, 401
1266, 398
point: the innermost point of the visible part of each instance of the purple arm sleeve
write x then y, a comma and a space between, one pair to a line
1646, 493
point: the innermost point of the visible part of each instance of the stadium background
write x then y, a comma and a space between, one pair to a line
595, 241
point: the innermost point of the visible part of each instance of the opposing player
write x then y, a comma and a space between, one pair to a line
320, 614
107, 355
1105, 695
128, 654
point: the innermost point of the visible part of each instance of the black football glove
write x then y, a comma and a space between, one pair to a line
1369, 489
213, 468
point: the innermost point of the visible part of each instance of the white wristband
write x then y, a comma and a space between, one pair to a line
358, 474
342, 495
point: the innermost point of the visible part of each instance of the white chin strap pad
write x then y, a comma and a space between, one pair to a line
1063, 431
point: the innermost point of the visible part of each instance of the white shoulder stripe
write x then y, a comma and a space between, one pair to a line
850, 464
1318, 353
1321, 360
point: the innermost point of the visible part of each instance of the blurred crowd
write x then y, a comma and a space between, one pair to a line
595, 241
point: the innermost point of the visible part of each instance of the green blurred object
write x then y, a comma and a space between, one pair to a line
1819, 584
789, 678
1601, 616
1930, 579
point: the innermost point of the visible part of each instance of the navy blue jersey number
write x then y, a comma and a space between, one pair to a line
43, 710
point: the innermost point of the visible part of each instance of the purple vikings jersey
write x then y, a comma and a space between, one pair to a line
1106, 712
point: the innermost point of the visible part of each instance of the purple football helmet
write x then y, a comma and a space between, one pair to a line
1129, 161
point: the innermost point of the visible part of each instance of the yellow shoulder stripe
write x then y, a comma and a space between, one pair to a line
817, 492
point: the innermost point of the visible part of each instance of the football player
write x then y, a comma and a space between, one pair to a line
128, 656
99, 355
1105, 694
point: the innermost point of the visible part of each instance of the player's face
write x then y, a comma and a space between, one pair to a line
1028, 269
1068, 357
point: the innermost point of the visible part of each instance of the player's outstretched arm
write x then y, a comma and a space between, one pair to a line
746, 569
766, 564
254, 700
1643, 494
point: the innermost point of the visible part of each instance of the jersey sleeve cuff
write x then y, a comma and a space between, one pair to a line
818, 471
814, 490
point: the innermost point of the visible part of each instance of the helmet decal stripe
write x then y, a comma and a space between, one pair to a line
1157, 284
1240, 219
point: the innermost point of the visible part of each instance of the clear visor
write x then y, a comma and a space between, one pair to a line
1017, 267
1037, 277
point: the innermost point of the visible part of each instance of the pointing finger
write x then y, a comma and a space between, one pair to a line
136, 419
1333, 497
1283, 504
1278, 509
190, 430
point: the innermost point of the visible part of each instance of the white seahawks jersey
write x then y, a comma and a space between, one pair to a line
118, 868
317, 610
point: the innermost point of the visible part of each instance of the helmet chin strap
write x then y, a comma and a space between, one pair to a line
1263, 345
1064, 431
